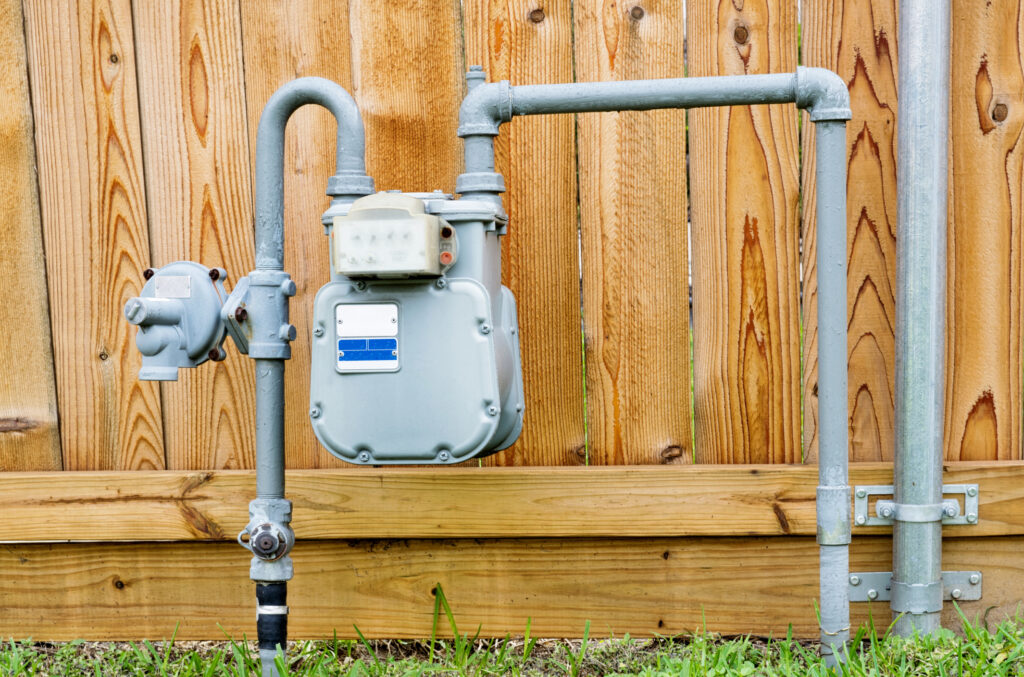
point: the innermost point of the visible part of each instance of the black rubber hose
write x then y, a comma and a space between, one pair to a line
272, 628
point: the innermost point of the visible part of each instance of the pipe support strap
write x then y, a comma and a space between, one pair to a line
917, 598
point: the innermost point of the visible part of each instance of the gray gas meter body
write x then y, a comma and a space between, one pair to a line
415, 355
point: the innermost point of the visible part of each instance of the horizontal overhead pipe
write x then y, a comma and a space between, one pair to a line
826, 98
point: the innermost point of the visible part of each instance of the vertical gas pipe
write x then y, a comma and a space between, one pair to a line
825, 97
270, 535
920, 302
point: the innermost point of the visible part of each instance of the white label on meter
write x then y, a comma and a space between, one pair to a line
367, 336
172, 287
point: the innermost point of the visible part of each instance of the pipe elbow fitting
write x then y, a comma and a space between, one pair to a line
485, 107
823, 94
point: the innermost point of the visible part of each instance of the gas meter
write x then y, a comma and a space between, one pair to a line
415, 353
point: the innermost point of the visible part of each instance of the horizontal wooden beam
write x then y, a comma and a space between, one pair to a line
644, 587
647, 501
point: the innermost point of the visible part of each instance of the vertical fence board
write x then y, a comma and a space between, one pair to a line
744, 193
85, 103
858, 41
200, 204
529, 42
407, 73
283, 41
29, 438
632, 176
983, 281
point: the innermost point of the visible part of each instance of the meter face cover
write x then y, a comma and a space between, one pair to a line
415, 355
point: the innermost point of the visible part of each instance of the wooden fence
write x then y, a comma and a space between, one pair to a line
127, 133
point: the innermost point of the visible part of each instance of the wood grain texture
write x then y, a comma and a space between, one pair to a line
983, 270
85, 103
527, 42
744, 193
642, 587
200, 204
609, 501
633, 223
281, 42
29, 438
857, 41
407, 76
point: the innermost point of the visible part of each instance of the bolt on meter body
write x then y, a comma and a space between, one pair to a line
415, 354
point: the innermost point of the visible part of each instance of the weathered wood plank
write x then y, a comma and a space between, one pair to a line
283, 41
200, 203
85, 103
633, 220
983, 270
29, 438
744, 193
408, 82
858, 41
642, 587
637, 501
529, 43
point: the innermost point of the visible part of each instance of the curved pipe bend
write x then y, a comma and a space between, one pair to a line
350, 177
823, 94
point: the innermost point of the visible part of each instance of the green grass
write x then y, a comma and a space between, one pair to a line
975, 651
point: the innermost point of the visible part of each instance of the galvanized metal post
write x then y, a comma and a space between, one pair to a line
826, 98
920, 341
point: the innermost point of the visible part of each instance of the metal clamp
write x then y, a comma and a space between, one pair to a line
876, 586
889, 511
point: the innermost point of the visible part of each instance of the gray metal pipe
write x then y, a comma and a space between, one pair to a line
921, 306
350, 177
827, 99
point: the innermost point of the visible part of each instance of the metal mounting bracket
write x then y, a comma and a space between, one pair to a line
876, 586
888, 510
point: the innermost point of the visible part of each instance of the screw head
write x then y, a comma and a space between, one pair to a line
315, 412
319, 331
444, 456
364, 456
485, 329
492, 410
872, 594
861, 493
972, 518
441, 283
241, 314
216, 355
956, 593
861, 519
975, 579
361, 286
148, 273
854, 580
214, 274
972, 491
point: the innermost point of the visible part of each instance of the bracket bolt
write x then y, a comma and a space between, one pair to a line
485, 329
956, 593
854, 580
886, 512
861, 493
949, 511
364, 456
492, 410
444, 456
972, 518
975, 579
872, 594
315, 412
241, 314
861, 519
972, 491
